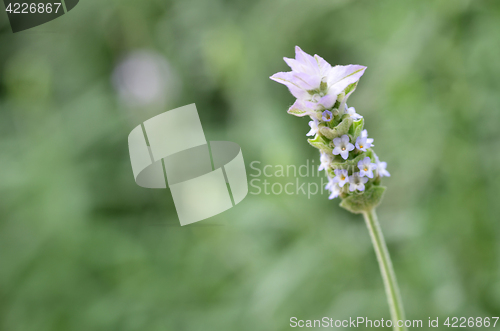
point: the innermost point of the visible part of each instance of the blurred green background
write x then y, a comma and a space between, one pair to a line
82, 247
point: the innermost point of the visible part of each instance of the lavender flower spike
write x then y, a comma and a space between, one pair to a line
321, 92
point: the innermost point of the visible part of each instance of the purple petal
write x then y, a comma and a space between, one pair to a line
282, 77
324, 67
328, 100
302, 110
342, 76
293, 64
305, 58
327, 116
306, 81
287, 79
333, 195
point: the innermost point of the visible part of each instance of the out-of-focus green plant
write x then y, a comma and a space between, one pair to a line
83, 248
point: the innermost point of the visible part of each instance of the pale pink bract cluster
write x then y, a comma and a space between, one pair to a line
314, 82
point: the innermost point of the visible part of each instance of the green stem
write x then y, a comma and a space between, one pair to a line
388, 275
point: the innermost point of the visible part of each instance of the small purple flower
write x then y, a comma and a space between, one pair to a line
362, 143
327, 116
380, 166
314, 127
364, 134
357, 182
342, 146
325, 161
366, 167
333, 188
341, 177
352, 112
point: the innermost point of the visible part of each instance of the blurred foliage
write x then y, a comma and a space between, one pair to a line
82, 247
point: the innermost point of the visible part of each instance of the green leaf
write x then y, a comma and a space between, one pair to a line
320, 144
327, 132
339, 130
369, 199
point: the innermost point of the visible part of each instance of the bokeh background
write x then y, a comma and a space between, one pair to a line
82, 247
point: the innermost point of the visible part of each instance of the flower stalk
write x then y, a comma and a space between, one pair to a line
353, 169
387, 271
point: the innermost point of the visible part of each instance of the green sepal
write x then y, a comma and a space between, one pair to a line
335, 120
337, 159
366, 201
342, 97
297, 112
350, 88
369, 152
356, 128
351, 165
339, 130
320, 144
